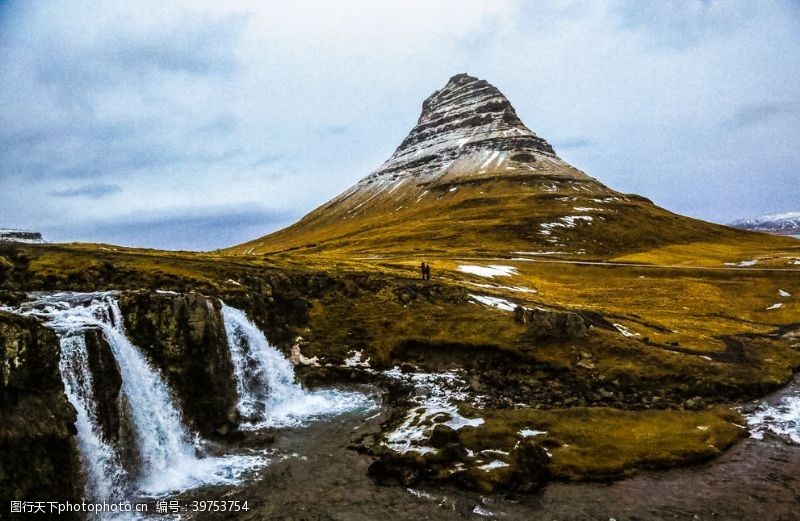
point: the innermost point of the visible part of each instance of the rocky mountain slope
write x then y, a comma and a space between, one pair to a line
778, 223
470, 177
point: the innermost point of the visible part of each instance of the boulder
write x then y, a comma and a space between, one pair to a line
442, 435
558, 325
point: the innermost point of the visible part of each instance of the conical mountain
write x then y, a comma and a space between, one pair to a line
471, 178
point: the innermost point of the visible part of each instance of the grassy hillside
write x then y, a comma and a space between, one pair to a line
494, 216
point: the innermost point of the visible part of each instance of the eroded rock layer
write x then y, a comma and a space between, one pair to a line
468, 117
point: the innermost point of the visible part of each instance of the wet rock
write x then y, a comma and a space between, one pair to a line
106, 382
442, 435
453, 452
529, 462
184, 336
38, 446
392, 468
605, 393
407, 368
695, 404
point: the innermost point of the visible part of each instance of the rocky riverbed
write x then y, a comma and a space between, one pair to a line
317, 475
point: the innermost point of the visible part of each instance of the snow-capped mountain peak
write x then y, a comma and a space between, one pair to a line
787, 223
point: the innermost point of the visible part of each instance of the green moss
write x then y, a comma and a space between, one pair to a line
597, 443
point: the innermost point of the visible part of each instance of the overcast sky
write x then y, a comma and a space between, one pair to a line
203, 124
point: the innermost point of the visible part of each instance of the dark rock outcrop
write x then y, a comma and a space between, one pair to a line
184, 335
39, 458
106, 383
557, 325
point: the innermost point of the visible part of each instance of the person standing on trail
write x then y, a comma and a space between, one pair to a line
427, 272
423, 268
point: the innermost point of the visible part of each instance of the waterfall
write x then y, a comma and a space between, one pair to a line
170, 460
104, 474
269, 396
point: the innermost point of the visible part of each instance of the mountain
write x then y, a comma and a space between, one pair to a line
20, 236
778, 223
471, 178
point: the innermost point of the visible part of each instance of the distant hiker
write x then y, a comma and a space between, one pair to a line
427, 272
423, 268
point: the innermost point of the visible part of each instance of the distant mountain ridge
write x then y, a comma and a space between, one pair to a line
471, 178
780, 223
20, 236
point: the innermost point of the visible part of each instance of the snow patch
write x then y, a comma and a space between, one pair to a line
533, 253
491, 158
625, 331
492, 465
494, 302
520, 289
480, 511
784, 293
493, 270
354, 360
775, 306
530, 433
743, 264
569, 221
496, 451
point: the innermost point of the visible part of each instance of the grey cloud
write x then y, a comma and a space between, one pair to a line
576, 142
119, 155
221, 125
760, 113
335, 130
91, 191
266, 160
196, 47
679, 25
179, 229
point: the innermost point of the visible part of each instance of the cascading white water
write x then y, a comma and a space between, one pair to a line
778, 415
269, 396
104, 474
170, 461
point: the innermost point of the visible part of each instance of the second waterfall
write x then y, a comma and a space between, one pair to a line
269, 396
